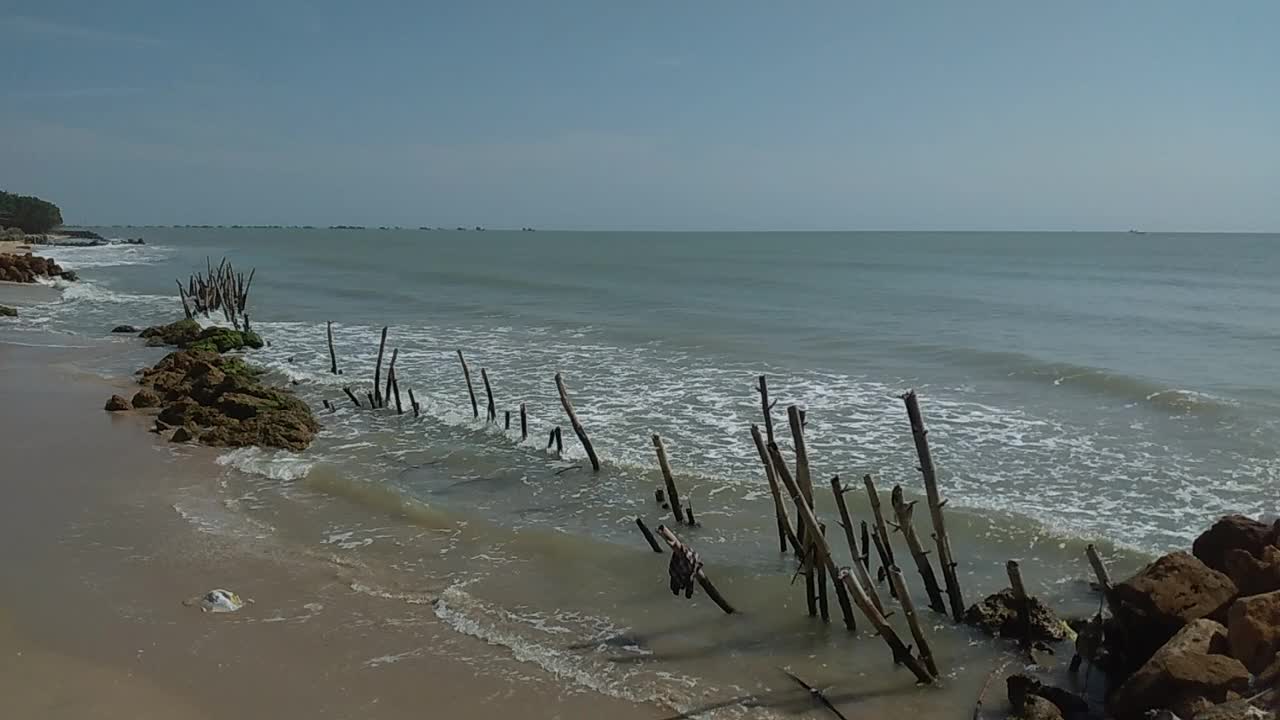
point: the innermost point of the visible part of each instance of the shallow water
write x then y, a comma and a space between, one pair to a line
1078, 387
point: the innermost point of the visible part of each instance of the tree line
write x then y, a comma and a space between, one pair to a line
29, 213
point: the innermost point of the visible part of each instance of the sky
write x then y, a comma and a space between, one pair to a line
600, 114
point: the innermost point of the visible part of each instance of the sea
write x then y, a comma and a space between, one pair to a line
1120, 389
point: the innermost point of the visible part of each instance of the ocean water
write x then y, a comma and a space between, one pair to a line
1079, 387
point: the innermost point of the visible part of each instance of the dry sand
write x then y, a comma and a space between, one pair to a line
14, 248
95, 561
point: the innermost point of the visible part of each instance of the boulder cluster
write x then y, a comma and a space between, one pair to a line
26, 268
188, 335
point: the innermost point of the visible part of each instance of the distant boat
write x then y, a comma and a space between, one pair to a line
1136, 232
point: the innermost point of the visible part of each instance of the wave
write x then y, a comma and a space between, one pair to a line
105, 256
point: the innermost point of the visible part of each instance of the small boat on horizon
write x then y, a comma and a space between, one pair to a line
1136, 232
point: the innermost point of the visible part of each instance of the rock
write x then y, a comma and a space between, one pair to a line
1270, 676
1183, 673
1025, 703
1254, 575
1233, 532
117, 404
1253, 628
145, 398
6, 311
160, 427
26, 268
176, 333
1234, 710
124, 329
1037, 708
70, 275
220, 339
181, 435
1166, 595
998, 615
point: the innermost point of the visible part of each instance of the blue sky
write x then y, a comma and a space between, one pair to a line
600, 114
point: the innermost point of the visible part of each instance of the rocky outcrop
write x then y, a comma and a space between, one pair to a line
125, 329
117, 404
1233, 532
188, 334
1254, 575
1166, 595
1185, 675
1253, 627
145, 398
26, 268
998, 615
6, 311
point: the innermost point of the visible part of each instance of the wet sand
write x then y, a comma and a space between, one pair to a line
95, 561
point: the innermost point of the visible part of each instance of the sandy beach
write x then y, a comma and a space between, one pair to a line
96, 560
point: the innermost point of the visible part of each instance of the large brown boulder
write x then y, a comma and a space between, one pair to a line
1183, 675
1254, 575
1233, 532
117, 404
1253, 627
1166, 595
145, 398
998, 615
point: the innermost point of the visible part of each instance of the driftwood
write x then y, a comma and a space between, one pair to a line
902, 510
816, 694
686, 567
945, 559
648, 536
899, 584
577, 426
333, 356
466, 372
786, 535
847, 523
377, 372
667, 478
491, 413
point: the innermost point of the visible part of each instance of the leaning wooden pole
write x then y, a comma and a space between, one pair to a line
846, 522
786, 535
648, 536
805, 483
413, 402
899, 585
391, 373
333, 356
577, 426
667, 478
766, 408
492, 412
395, 388
903, 510
883, 548
936, 502
679, 547
466, 373
377, 372
1099, 569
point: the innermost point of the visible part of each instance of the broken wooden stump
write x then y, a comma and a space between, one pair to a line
668, 479
471, 391
648, 536
577, 426
492, 412
554, 439
847, 523
902, 510
1022, 603
333, 356
945, 559
686, 568
786, 535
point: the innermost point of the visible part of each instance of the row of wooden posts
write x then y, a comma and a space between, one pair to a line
806, 538
218, 289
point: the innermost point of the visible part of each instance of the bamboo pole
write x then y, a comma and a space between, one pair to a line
677, 546
902, 510
648, 536
182, 295
786, 535
804, 480
524, 424
492, 412
899, 584
847, 523
784, 474
766, 408
945, 559
377, 372
667, 478
577, 426
1099, 569
333, 356
413, 402
883, 548
466, 372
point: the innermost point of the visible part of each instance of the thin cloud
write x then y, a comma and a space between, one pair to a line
38, 26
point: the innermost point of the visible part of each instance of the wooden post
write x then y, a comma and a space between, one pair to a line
847, 523
883, 548
391, 373
327, 406
395, 387
577, 426
766, 408
351, 395
648, 536
466, 372
688, 516
785, 533
667, 478
182, 295
377, 372
945, 559
492, 412
333, 356
524, 424
506, 421
866, 546
805, 483
902, 510
373, 403
784, 474
679, 547
413, 402
1099, 569
899, 584
1024, 604
823, 609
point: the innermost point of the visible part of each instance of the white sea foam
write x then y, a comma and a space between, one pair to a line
273, 464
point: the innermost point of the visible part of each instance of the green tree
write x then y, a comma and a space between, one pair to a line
29, 213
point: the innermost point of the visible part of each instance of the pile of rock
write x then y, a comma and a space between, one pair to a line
188, 335
1198, 633
26, 268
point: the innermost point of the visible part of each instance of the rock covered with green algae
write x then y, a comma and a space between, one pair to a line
221, 401
188, 334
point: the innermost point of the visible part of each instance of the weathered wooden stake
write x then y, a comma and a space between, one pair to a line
524, 424
883, 548
766, 408
903, 510
373, 403
899, 584
785, 533
327, 406
648, 536
679, 547
413, 402
667, 478
391, 373
866, 546
395, 388
492, 413
1024, 604
847, 523
1099, 569
688, 516
577, 426
506, 419
466, 372
333, 356
377, 371
945, 559
805, 483
351, 395
823, 609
